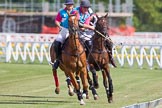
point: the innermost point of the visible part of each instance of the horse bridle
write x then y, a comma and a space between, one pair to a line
73, 29
101, 33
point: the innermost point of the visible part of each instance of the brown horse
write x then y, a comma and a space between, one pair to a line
73, 59
98, 58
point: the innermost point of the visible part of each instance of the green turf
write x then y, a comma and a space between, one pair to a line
32, 86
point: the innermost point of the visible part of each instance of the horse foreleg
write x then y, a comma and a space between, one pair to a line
55, 77
105, 84
110, 87
78, 81
69, 85
95, 78
68, 81
107, 81
83, 75
77, 88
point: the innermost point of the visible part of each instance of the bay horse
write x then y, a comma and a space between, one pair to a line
73, 59
98, 57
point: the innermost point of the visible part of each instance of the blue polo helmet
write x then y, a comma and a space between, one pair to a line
85, 3
68, 2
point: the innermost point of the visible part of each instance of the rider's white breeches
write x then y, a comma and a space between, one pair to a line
63, 34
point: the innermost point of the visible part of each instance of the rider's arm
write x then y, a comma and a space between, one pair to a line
58, 20
58, 24
86, 25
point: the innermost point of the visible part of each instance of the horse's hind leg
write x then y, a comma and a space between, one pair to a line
110, 87
55, 77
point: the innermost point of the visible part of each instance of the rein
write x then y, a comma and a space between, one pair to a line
106, 37
73, 31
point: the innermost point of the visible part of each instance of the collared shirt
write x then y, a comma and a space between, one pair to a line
84, 18
62, 17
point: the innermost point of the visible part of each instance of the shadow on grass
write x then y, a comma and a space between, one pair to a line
33, 100
26, 96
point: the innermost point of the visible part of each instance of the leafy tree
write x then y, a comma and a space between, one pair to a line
148, 15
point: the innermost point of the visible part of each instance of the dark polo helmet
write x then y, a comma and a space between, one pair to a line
68, 2
85, 3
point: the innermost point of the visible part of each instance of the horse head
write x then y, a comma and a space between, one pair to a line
101, 33
73, 29
102, 24
73, 23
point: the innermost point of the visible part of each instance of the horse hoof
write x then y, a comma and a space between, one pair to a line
110, 100
82, 102
57, 90
71, 93
95, 97
87, 96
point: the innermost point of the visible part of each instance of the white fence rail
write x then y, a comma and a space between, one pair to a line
150, 54
14, 47
32, 47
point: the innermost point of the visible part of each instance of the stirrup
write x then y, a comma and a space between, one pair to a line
56, 64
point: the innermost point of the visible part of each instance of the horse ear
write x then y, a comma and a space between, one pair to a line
106, 15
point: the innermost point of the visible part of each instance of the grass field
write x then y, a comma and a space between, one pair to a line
32, 86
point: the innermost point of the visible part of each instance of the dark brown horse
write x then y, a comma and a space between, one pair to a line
73, 59
98, 58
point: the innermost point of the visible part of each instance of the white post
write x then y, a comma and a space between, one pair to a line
110, 6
